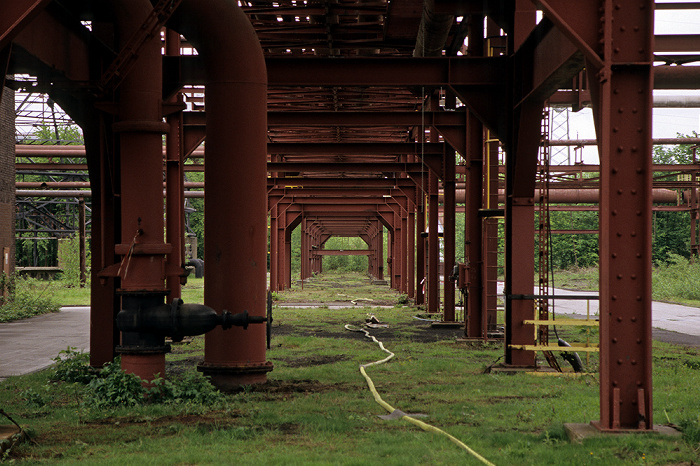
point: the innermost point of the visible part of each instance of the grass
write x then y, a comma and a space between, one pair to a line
316, 408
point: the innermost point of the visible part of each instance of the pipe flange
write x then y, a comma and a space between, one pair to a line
142, 349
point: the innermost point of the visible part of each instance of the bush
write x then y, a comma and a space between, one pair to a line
115, 388
25, 299
679, 279
72, 366
191, 387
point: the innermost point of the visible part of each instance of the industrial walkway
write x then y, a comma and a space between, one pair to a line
30, 345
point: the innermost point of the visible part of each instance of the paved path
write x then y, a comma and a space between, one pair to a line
664, 316
30, 345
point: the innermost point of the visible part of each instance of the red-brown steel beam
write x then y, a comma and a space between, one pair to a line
362, 148
620, 68
342, 252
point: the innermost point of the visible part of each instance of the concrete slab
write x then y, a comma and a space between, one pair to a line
30, 345
578, 432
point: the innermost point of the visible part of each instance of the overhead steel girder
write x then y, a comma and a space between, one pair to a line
439, 118
366, 148
15, 15
345, 167
362, 71
342, 182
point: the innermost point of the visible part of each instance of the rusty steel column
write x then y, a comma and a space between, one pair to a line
139, 130
411, 237
175, 185
475, 312
380, 250
621, 92
449, 213
236, 215
274, 249
433, 278
475, 315
420, 246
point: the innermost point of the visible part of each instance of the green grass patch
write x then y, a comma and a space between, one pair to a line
316, 408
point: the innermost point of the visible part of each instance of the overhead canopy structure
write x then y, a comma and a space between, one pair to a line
361, 109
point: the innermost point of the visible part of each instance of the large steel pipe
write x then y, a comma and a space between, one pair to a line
236, 209
140, 128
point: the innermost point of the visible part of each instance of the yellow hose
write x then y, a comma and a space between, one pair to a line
391, 409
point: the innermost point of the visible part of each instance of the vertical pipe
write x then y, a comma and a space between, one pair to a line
174, 184
449, 214
236, 213
140, 129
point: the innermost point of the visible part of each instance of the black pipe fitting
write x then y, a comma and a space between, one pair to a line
178, 320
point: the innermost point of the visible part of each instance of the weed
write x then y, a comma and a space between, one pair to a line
115, 388
27, 297
72, 366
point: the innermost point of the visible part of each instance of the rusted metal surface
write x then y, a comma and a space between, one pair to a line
347, 156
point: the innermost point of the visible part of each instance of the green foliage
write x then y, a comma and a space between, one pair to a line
69, 260
345, 263
580, 250
27, 297
678, 279
190, 387
676, 154
65, 134
115, 388
73, 366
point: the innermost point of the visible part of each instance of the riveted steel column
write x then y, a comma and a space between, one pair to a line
449, 212
140, 129
411, 263
622, 96
433, 278
474, 326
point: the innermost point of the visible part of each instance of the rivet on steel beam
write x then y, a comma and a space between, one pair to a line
617, 6
633, 362
619, 191
639, 383
640, 51
614, 170
620, 110
619, 234
614, 297
639, 213
634, 110
636, 29
616, 91
614, 255
619, 319
639, 341
639, 255
634, 149
615, 129
633, 276
614, 340
620, 148
619, 276
614, 212
639, 298
614, 383
622, 29
634, 191
639, 170
619, 361
617, 50
633, 234
633, 319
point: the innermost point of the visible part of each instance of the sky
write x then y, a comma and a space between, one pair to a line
667, 122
